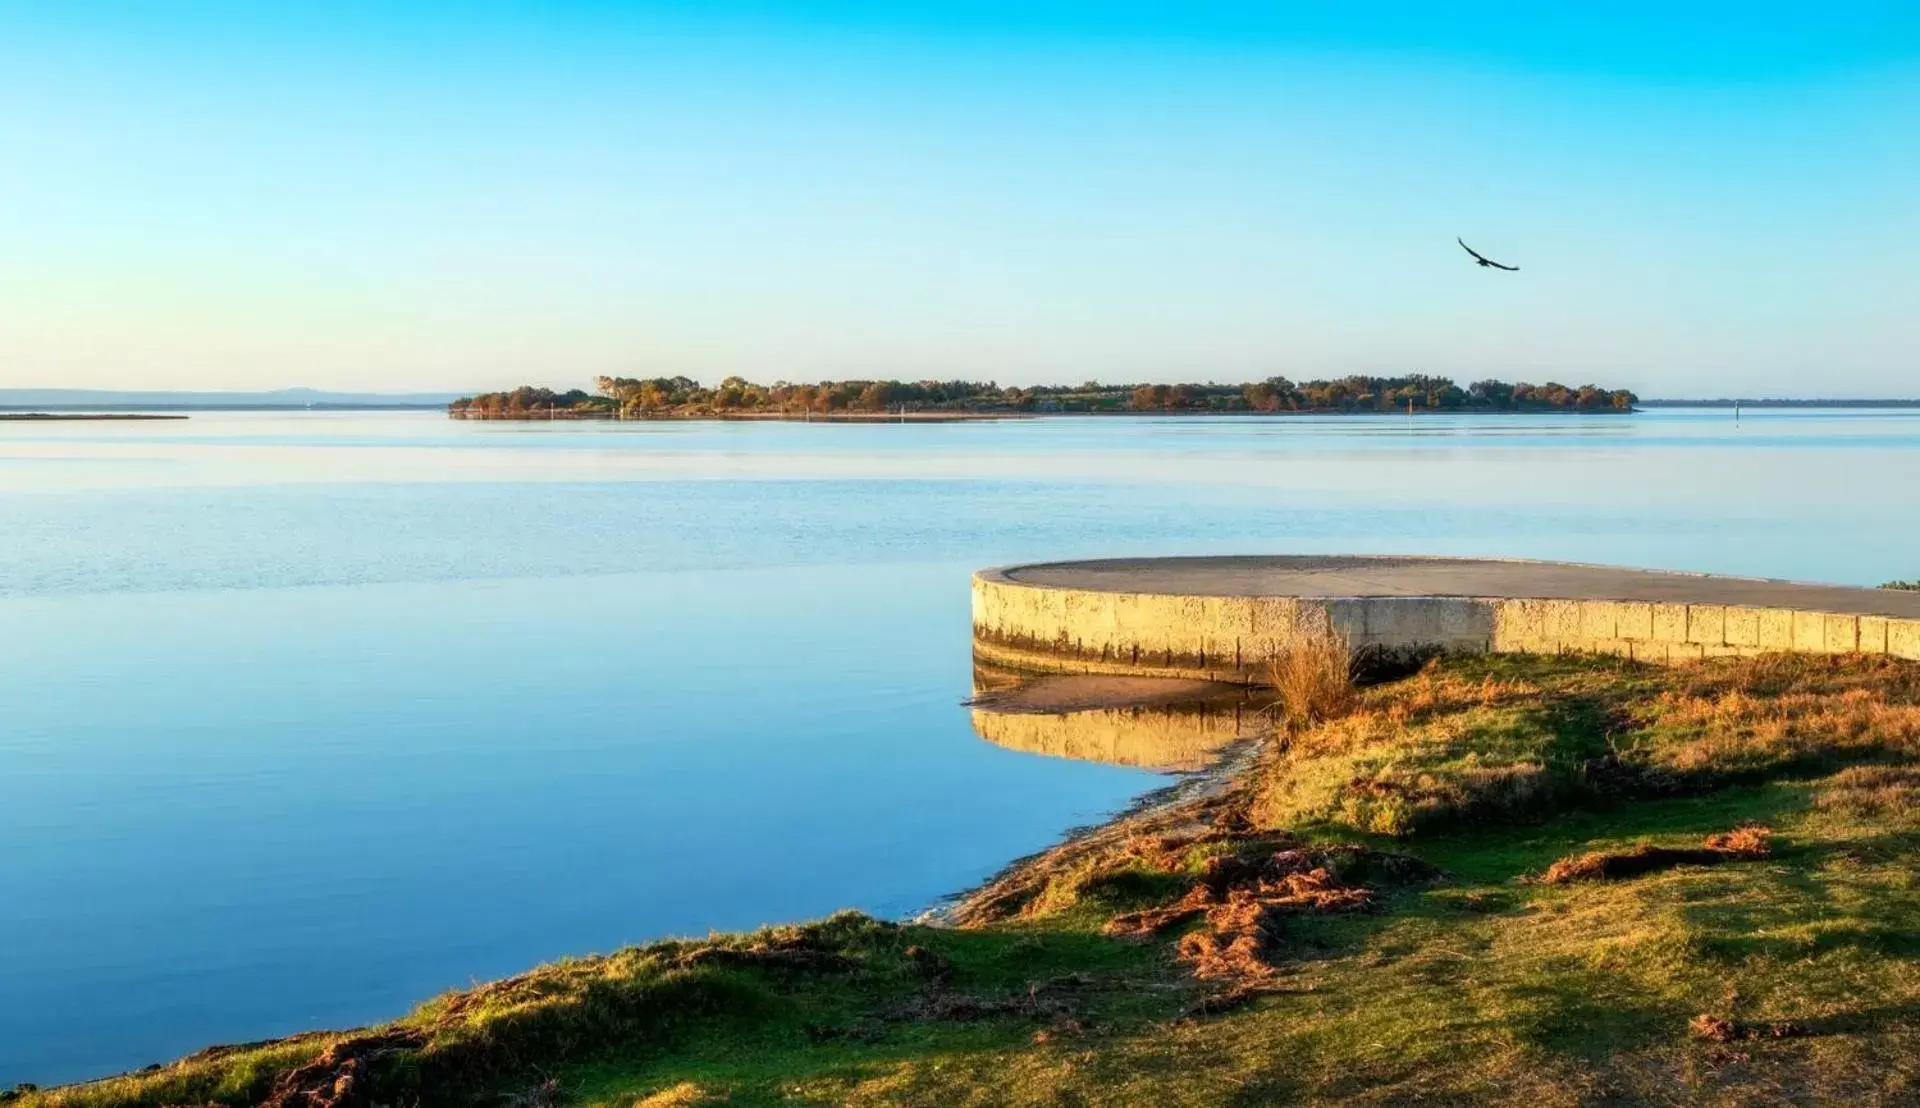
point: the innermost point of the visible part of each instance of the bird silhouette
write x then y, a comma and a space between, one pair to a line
1484, 260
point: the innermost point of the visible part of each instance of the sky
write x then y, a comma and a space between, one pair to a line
1703, 199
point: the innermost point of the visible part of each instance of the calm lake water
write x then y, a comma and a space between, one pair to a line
304, 718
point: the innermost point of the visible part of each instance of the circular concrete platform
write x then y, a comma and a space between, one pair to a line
1222, 618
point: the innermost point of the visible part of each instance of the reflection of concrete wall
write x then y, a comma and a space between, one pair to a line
1161, 737
1229, 638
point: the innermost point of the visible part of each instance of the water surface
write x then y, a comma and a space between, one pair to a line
307, 717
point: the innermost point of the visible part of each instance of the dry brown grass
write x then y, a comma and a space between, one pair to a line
1438, 691
1245, 928
1885, 791
1746, 718
1416, 753
1313, 678
1432, 697
684, 1095
1503, 740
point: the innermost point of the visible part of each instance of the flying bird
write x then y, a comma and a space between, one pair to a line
1485, 261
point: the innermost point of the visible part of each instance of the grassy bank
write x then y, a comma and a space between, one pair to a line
1499, 880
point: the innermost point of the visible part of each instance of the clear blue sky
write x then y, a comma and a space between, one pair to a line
1703, 198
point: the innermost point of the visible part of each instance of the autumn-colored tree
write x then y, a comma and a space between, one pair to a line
1150, 398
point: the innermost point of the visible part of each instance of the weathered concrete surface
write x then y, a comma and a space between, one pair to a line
1220, 619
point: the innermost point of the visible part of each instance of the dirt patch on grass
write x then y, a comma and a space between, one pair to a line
1741, 844
342, 1075
1716, 1030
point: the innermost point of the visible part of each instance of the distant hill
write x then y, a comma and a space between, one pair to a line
114, 400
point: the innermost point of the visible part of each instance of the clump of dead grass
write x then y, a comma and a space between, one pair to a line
1246, 898
1244, 930
1745, 843
1313, 678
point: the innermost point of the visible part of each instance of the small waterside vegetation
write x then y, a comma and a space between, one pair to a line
1502, 880
1313, 678
736, 397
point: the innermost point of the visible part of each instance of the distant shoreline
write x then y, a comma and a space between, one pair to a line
160, 408
68, 417
192, 400
1780, 403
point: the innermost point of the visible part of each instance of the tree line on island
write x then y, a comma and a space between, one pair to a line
736, 397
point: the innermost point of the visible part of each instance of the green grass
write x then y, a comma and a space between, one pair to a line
1483, 987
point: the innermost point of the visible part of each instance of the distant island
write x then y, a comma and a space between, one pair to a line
737, 398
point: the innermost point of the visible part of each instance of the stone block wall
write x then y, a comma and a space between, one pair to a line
1230, 638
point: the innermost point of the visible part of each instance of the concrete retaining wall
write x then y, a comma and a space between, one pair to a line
1230, 638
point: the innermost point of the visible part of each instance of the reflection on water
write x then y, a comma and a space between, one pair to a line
1150, 723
